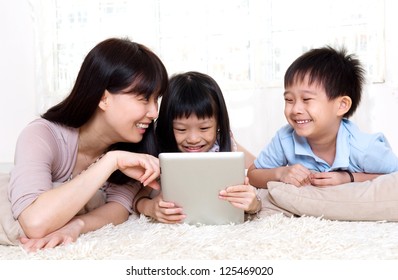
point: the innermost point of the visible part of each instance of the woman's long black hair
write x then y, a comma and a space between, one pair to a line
113, 65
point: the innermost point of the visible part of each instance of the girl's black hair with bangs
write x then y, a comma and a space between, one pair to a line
338, 72
119, 66
192, 93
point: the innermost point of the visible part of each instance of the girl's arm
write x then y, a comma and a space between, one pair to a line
160, 210
249, 157
236, 147
243, 197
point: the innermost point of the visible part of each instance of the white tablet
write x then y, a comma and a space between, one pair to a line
194, 180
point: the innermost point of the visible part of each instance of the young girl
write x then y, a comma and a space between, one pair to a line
193, 117
96, 140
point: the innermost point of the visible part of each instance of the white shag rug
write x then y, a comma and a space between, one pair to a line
273, 237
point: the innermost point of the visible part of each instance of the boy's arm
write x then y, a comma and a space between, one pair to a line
295, 174
333, 178
259, 177
362, 177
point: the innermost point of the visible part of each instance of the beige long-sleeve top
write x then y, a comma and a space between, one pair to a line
45, 156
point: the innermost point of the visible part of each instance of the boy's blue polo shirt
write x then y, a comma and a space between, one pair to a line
355, 150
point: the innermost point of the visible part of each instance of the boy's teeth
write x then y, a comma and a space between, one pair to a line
305, 121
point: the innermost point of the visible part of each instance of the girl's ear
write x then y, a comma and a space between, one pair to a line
103, 104
344, 103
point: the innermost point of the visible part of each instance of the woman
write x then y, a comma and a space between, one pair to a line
98, 142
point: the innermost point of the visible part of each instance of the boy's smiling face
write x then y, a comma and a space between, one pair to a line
309, 111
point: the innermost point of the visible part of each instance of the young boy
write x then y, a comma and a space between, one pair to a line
320, 146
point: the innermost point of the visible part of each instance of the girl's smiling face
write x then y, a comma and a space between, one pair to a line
195, 135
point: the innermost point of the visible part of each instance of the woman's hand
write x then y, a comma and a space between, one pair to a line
65, 235
242, 196
142, 167
162, 211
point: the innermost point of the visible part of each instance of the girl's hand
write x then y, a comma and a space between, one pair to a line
142, 167
296, 174
65, 235
162, 211
242, 196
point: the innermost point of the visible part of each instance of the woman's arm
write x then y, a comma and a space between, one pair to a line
111, 212
56, 207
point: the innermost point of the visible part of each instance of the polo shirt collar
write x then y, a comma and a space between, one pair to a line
341, 161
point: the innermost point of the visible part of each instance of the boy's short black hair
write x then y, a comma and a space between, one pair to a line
339, 73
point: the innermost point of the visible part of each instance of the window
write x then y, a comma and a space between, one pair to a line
243, 44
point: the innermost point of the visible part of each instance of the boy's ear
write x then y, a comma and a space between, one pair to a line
344, 103
103, 104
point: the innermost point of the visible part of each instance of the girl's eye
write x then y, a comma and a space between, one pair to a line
180, 129
204, 128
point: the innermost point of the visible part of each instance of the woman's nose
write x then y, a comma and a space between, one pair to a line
153, 110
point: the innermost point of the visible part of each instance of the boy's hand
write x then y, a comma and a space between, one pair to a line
296, 174
327, 179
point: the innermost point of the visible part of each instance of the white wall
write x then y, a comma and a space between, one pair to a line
253, 126
378, 111
17, 105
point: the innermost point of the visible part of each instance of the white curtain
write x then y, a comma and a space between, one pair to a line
246, 45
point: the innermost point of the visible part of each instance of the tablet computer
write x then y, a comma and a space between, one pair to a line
194, 180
